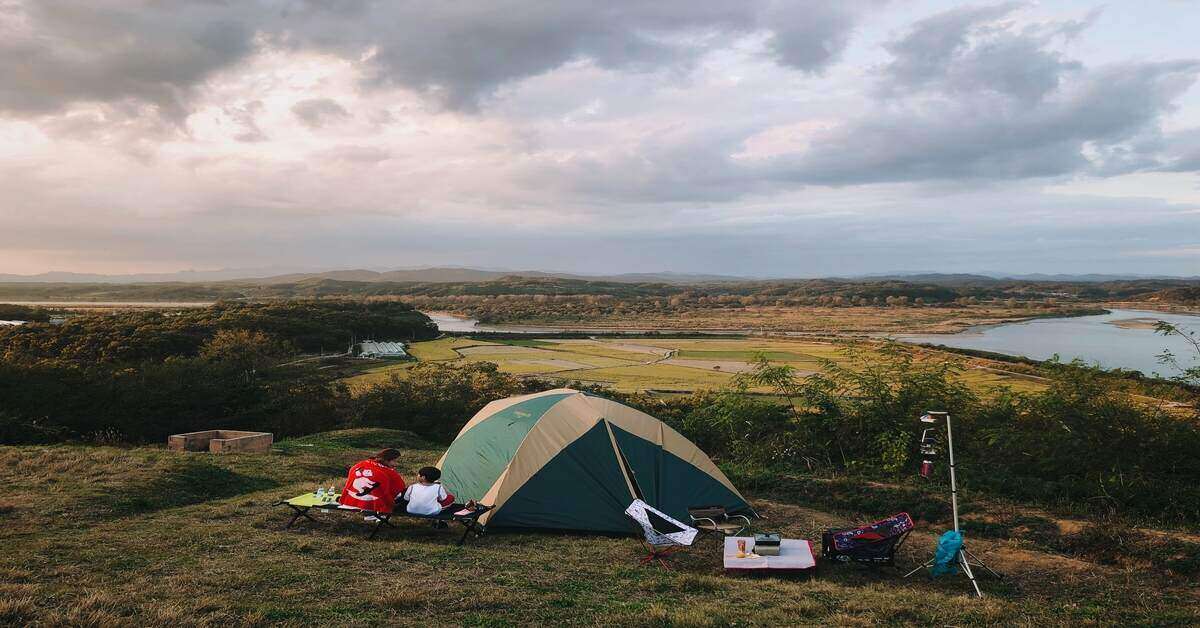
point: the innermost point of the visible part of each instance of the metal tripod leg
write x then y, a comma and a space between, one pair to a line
925, 565
962, 560
979, 563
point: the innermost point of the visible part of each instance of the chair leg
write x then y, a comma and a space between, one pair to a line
662, 555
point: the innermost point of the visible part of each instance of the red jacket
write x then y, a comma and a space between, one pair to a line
372, 486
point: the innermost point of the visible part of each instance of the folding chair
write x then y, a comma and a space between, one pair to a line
661, 534
873, 544
715, 520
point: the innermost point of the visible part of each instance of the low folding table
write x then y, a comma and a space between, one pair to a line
795, 555
302, 504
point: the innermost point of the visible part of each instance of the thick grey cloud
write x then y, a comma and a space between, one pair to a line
969, 95
970, 50
56, 52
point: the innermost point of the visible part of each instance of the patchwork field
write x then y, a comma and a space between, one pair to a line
647, 363
135, 536
775, 318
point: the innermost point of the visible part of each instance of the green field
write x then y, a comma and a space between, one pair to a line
113, 536
632, 365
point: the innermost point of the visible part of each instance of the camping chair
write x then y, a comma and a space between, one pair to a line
661, 534
873, 544
715, 520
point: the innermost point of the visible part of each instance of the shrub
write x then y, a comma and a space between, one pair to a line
434, 400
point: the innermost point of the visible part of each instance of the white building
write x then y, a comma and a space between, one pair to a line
373, 349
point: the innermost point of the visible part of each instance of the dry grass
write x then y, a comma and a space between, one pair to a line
865, 319
149, 537
611, 362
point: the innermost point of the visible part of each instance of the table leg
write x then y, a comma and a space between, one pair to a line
381, 521
299, 512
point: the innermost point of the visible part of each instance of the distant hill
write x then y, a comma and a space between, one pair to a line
185, 276
939, 279
988, 277
445, 274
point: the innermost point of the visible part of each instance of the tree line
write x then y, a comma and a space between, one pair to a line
144, 375
937, 289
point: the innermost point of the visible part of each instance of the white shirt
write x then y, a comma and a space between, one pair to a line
424, 500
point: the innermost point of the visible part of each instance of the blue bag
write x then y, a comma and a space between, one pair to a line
946, 559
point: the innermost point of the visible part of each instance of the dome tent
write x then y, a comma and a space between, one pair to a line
564, 459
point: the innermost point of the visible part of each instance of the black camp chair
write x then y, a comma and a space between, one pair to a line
716, 521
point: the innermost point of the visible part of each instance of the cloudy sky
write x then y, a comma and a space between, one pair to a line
758, 137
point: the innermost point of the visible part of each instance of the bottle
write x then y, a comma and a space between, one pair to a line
321, 492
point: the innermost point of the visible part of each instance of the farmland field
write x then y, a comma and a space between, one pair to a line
642, 364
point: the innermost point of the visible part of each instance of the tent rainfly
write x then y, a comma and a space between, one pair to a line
564, 459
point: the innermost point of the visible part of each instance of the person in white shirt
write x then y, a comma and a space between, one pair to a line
427, 497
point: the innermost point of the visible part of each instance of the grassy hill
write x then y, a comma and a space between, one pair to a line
101, 535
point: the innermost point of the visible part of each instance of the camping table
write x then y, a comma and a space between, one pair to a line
794, 555
302, 504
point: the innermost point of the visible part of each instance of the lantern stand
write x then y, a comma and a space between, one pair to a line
965, 557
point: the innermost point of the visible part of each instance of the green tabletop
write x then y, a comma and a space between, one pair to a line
313, 500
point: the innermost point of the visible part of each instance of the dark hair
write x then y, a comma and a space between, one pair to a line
386, 455
433, 474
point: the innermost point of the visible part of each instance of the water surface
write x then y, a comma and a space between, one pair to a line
1094, 339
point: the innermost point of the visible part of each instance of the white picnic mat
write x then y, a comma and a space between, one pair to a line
793, 554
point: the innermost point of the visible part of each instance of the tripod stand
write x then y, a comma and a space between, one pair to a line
965, 558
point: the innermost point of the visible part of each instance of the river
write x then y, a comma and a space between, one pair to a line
1093, 339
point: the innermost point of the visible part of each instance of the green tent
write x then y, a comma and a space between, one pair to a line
564, 459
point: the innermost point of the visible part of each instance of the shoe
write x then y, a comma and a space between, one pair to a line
371, 519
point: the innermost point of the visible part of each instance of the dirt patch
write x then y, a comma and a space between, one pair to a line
1135, 323
725, 366
633, 348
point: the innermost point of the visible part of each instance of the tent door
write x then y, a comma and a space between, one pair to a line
625, 468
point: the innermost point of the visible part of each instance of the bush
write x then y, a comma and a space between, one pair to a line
434, 400
49, 402
1083, 443
132, 338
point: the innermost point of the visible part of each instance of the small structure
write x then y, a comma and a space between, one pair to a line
386, 350
221, 441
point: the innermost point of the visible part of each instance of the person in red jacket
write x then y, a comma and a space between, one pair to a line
374, 483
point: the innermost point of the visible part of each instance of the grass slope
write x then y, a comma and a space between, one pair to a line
123, 536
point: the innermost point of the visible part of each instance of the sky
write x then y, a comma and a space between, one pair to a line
756, 138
